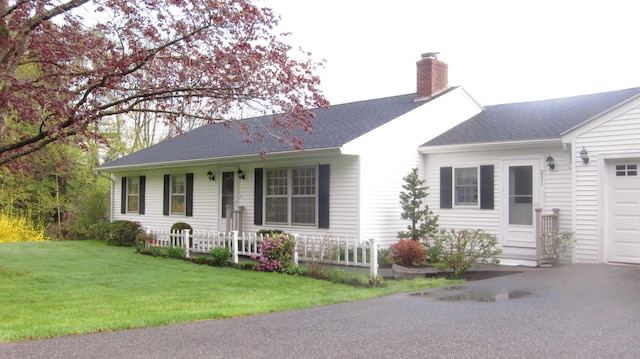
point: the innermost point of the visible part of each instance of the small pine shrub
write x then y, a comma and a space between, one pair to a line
407, 252
220, 256
123, 233
20, 229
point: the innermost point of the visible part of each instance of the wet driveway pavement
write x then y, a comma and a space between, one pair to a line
574, 311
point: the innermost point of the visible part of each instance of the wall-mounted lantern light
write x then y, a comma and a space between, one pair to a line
550, 162
240, 174
211, 176
584, 155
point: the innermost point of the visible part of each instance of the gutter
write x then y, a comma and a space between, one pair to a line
217, 160
469, 147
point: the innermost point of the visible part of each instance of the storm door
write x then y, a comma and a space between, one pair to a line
519, 200
227, 194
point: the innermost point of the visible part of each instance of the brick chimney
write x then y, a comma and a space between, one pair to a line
432, 76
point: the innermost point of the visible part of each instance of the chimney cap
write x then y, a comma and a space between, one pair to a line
428, 55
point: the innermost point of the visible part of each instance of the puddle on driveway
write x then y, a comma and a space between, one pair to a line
474, 295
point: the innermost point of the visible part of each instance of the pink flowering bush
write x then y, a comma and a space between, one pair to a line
276, 254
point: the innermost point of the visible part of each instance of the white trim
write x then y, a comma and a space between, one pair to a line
594, 121
488, 146
454, 187
221, 161
604, 200
537, 199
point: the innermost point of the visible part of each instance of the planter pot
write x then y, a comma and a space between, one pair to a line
402, 272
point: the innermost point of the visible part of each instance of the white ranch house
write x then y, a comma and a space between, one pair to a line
486, 168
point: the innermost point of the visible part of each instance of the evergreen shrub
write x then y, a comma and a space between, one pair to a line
123, 233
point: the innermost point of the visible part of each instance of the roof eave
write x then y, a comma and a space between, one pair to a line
603, 113
208, 161
473, 147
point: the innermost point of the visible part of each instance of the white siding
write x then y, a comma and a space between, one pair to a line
205, 199
206, 208
343, 213
388, 153
615, 136
554, 187
366, 176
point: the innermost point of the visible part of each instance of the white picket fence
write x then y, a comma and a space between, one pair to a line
330, 250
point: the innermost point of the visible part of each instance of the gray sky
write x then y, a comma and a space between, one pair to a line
500, 51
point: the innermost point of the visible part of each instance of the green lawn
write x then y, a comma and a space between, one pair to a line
50, 289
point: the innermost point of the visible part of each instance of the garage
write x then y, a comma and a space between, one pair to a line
623, 211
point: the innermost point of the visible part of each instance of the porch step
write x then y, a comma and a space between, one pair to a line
518, 260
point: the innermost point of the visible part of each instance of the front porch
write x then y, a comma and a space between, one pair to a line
545, 225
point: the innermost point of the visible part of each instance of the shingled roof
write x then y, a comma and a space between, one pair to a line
536, 120
332, 128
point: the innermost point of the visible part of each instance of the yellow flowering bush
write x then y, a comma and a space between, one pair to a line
15, 228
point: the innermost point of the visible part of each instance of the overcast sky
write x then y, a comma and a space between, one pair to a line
500, 51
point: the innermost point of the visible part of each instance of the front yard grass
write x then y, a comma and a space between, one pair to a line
50, 289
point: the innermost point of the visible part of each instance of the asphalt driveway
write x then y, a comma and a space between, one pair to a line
574, 311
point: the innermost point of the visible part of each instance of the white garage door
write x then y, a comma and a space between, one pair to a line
624, 212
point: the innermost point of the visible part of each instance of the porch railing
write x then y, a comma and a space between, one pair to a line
317, 249
234, 218
546, 225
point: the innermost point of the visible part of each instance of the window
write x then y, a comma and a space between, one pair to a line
178, 194
466, 186
228, 179
521, 195
291, 195
277, 198
626, 170
303, 199
133, 194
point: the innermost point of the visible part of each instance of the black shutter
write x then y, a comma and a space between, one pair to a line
257, 196
446, 174
486, 187
323, 196
143, 185
189, 199
166, 194
123, 196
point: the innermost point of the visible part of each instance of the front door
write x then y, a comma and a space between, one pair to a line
519, 199
227, 194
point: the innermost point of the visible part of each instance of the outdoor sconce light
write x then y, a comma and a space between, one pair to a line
240, 174
211, 176
550, 162
584, 155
